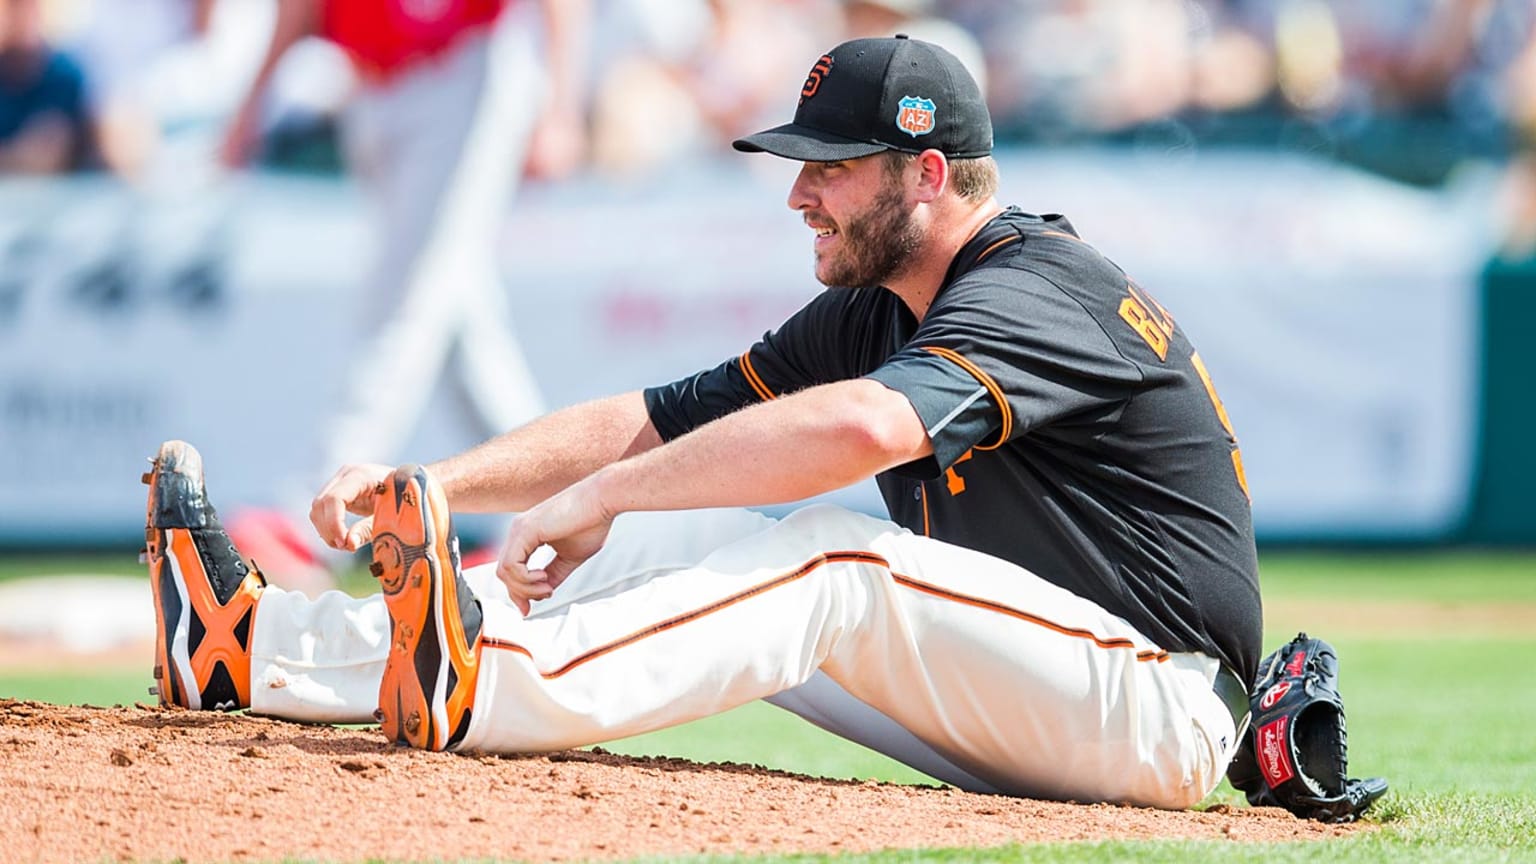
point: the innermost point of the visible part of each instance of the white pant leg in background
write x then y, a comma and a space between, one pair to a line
1022, 686
824, 703
440, 149
321, 660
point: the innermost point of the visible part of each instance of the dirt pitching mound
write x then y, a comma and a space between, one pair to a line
145, 784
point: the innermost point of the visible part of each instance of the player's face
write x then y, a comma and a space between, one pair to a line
864, 229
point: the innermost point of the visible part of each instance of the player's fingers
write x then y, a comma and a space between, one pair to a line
524, 597
360, 534
538, 588
359, 486
523, 585
351, 489
513, 574
328, 513
556, 571
523, 592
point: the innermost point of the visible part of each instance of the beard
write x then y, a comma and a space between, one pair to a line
877, 244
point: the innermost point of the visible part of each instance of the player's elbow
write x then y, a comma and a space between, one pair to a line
884, 425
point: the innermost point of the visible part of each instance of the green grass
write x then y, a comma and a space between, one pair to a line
1427, 576
1442, 710
90, 686
27, 566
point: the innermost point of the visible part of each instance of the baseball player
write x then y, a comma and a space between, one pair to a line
1063, 603
454, 98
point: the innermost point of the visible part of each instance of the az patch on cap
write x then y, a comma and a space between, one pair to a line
914, 115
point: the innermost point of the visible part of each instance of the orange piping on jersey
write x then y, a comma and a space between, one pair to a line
987, 252
752, 378
851, 557
987, 382
924, 490
1061, 234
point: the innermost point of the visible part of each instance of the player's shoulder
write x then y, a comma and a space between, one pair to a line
1025, 257
1050, 256
1023, 242
1053, 242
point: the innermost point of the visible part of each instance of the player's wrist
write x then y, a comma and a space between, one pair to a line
603, 490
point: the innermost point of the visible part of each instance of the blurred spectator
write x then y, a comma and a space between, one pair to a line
165, 75
454, 100
1234, 65
1406, 87
123, 39
1060, 69
683, 77
920, 20
45, 127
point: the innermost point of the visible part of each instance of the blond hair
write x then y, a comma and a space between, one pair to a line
975, 180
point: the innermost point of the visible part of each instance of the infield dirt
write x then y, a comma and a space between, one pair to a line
145, 784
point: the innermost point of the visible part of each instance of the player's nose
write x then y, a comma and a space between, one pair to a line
802, 193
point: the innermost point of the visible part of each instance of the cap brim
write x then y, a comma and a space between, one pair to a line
806, 144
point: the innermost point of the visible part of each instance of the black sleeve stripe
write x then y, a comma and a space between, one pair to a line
986, 381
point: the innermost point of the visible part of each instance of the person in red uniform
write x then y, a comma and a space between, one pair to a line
456, 100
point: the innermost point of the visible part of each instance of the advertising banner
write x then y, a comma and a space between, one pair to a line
1336, 312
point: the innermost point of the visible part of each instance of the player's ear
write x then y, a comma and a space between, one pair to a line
932, 174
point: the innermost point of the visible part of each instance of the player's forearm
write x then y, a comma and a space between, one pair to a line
802, 445
514, 471
568, 23
295, 20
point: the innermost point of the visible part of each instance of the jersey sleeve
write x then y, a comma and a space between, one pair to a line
995, 360
800, 353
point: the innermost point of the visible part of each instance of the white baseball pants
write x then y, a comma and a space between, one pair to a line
963, 666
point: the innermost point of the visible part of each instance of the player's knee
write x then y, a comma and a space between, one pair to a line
837, 527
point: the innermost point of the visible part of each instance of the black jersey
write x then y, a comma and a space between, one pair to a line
1075, 430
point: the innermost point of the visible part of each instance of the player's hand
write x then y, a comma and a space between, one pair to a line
573, 523
558, 147
350, 490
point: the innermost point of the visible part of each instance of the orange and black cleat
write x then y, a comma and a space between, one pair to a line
428, 691
205, 595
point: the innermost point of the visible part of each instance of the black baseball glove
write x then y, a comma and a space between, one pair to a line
1293, 755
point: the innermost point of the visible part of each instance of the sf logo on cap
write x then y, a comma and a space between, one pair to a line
914, 115
822, 68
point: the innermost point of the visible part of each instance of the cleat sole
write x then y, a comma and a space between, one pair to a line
429, 675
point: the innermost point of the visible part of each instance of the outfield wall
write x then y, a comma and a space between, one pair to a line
1342, 316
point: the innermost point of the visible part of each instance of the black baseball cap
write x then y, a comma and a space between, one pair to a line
870, 95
